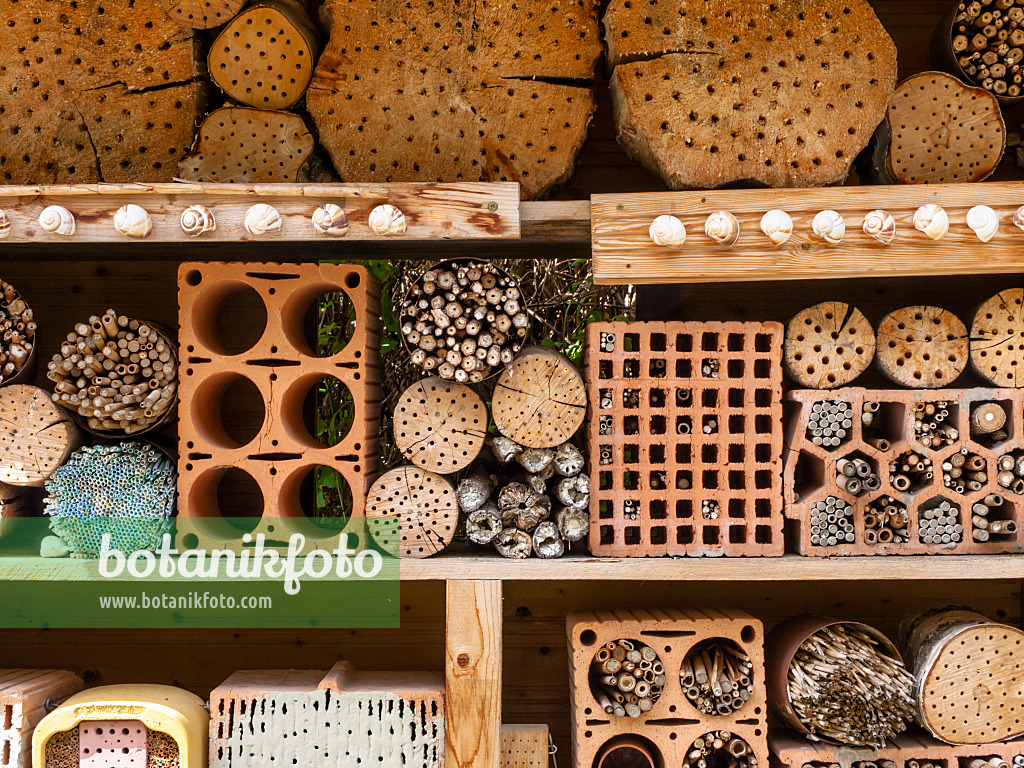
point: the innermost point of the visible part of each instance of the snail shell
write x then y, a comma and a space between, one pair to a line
667, 231
57, 220
778, 225
829, 225
386, 220
722, 227
261, 219
932, 220
984, 221
330, 220
5, 225
197, 219
1018, 217
133, 221
881, 226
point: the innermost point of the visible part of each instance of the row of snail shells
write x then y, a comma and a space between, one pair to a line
932, 220
133, 221
984, 221
881, 226
667, 231
261, 219
5, 225
722, 227
196, 220
386, 220
330, 220
829, 225
57, 220
777, 225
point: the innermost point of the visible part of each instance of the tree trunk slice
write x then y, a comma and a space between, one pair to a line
497, 91
412, 512
202, 14
36, 436
440, 425
828, 345
997, 339
251, 146
264, 57
731, 93
922, 347
540, 400
95, 92
942, 131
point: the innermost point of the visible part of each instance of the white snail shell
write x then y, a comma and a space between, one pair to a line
261, 219
5, 225
932, 220
1018, 217
829, 225
667, 231
722, 227
330, 220
197, 219
57, 220
133, 221
881, 226
386, 220
984, 221
778, 225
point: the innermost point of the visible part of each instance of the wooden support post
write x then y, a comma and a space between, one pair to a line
473, 674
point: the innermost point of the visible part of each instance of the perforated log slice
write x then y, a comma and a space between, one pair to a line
997, 339
922, 347
95, 91
36, 436
720, 91
540, 400
201, 14
254, 146
942, 131
440, 425
264, 57
828, 345
412, 512
447, 91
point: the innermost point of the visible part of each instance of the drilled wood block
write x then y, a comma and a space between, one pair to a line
685, 416
811, 472
343, 718
673, 723
249, 379
524, 746
23, 694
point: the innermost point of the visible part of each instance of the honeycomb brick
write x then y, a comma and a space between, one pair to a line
280, 370
673, 724
23, 694
810, 470
667, 433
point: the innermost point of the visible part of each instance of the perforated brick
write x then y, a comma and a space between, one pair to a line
112, 744
810, 471
23, 695
673, 723
684, 414
246, 397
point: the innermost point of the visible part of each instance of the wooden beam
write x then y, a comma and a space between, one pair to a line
472, 711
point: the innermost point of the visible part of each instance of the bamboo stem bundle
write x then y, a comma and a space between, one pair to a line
983, 528
830, 423
930, 426
720, 749
716, 677
626, 678
910, 471
118, 373
964, 472
17, 333
1010, 474
885, 522
988, 44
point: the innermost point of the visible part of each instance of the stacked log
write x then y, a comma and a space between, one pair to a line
987, 41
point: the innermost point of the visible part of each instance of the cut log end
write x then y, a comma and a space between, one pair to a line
440, 425
828, 345
514, 544
412, 512
483, 525
202, 14
996, 334
922, 347
36, 436
547, 541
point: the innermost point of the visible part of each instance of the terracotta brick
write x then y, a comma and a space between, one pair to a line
23, 693
810, 471
283, 368
644, 393
673, 724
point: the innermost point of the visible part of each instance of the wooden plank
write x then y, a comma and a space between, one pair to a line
432, 211
473, 658
556, 221
624, 253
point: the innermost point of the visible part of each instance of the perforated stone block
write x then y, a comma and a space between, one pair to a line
790, 750
810, 471
673, 723
682, 415
112, 744
344, 718
246, 397
23, 693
